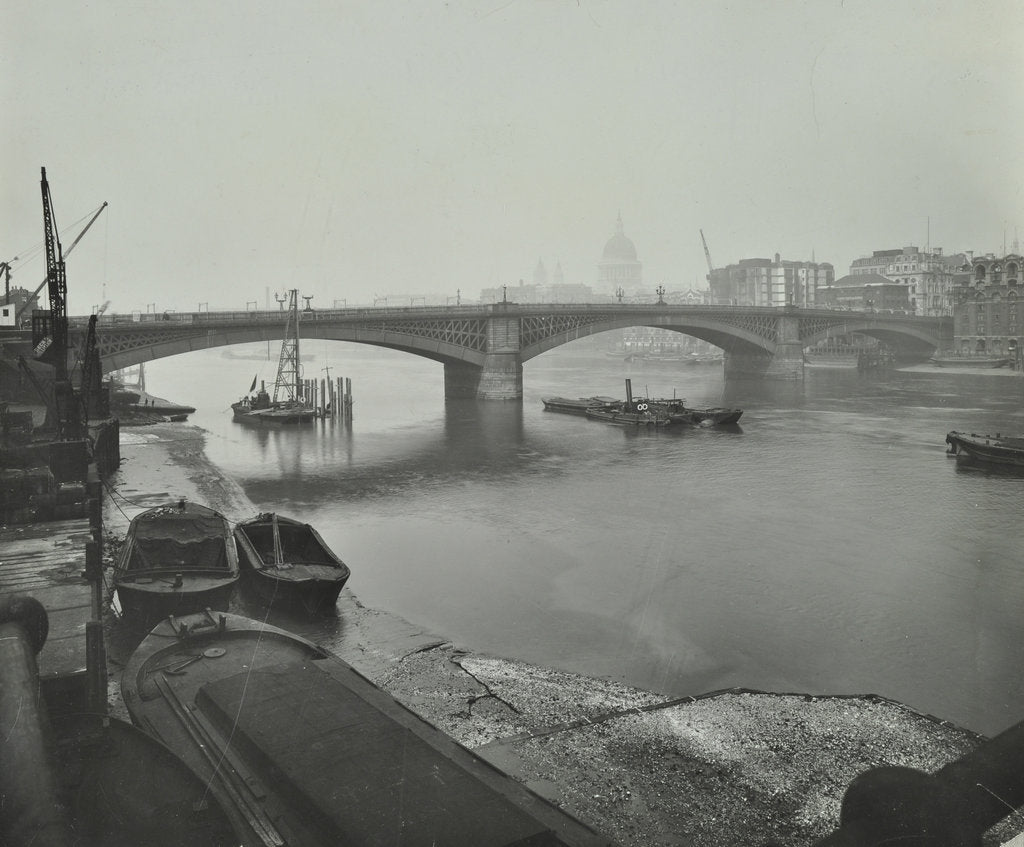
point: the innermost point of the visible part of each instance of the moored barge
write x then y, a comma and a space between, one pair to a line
1006, 450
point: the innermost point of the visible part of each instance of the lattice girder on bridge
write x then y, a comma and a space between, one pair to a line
462, 335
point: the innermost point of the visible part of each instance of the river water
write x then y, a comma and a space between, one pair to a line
825, 545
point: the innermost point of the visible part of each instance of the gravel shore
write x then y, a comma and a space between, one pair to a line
725, 768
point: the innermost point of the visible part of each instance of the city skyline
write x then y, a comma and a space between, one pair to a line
352, 151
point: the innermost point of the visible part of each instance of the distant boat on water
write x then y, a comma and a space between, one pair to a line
657, 412
970, 361
259, 357
1006, 450
679, 412
287, 407
578, 406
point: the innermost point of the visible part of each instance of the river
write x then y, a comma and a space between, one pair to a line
825, 545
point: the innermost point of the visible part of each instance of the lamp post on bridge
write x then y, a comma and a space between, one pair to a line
281, 301
200, 307
619, 293
253, 303
307, 298
660, 291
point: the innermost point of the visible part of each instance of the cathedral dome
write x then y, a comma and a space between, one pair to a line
619, 248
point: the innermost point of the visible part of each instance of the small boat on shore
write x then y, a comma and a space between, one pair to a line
1005, 450
176, 559
287, 562
319, 755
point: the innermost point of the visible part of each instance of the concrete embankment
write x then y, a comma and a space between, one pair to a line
726, 768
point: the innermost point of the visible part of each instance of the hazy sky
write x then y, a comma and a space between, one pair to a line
357, 148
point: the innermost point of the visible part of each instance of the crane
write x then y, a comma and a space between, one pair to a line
50, 330
39, 288
707, 253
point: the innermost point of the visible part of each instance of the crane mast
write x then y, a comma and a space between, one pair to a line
707, 253
50, 329
53, 331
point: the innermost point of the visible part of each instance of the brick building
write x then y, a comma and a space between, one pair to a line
988, 316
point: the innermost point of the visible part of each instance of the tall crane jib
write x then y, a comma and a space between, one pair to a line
50, 328
50, 331
707, 253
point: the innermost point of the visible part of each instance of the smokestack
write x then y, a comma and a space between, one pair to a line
629, 392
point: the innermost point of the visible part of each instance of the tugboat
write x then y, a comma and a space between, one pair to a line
629, 413
259, 408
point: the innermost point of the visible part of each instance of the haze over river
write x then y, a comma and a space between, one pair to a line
825, 545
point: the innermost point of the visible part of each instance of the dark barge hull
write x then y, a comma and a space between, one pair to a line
148, 603
319, 756
310, 576
679, 412
624, 418
1000, 450
578, 406
177, 559
971, 361
274, 417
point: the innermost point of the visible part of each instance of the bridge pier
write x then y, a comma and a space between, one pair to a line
787, 363
501, 375
500, 378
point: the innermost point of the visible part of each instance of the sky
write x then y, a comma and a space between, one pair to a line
361, 150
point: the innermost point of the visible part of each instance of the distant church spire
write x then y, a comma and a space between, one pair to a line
540, 273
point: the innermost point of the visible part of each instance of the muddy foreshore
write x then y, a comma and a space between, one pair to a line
722, 768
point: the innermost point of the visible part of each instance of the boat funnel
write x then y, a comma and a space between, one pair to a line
629, 392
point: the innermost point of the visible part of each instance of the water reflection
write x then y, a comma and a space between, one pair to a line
826, 544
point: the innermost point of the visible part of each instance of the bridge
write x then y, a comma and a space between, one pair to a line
483, 347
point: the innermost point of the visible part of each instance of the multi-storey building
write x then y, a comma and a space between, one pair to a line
768, 282
864, 292
988, 315
927, 275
